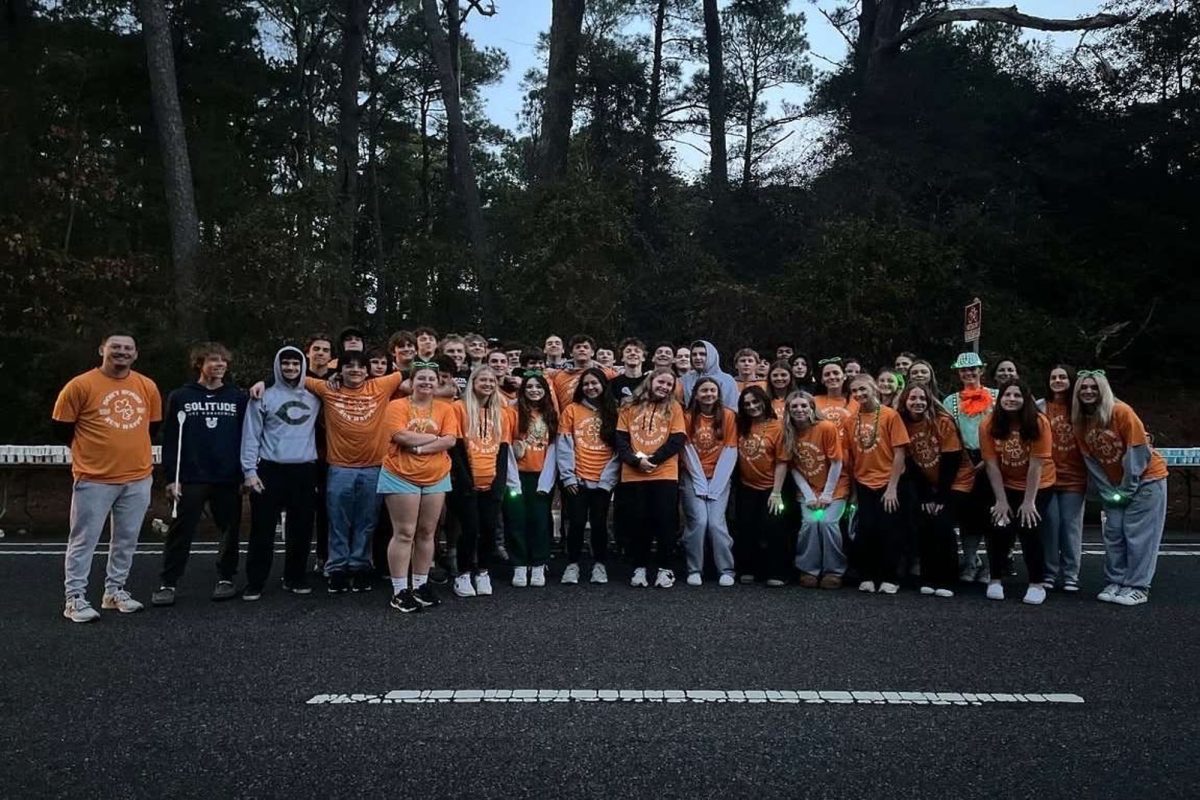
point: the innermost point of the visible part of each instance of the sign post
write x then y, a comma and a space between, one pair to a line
973, 323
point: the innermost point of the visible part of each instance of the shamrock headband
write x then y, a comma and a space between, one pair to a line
419, 365
1089, 373
834, 360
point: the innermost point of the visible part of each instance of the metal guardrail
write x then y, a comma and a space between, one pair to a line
38, 455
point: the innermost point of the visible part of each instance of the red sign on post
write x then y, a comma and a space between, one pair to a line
973, 321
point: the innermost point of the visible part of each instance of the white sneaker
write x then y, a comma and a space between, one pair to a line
463, 586
639, 578
78, 609
1109, 593
927, 590
725, 580
1132, 597
122, 601
570, 574
694, 579
537, 576
483, 584
995, 591
867, 586
599, 573
888, 588
1035, 595
665, 579
520, 577
943, 593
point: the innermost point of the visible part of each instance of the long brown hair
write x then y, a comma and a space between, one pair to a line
694, 411
1026, 419
544, 408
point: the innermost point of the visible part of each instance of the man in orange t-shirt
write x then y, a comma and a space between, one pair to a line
356, 443
108, 416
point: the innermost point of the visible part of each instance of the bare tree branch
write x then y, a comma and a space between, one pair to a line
1007, 16
841, 32
490, 11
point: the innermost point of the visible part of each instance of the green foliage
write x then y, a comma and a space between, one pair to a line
1063, 190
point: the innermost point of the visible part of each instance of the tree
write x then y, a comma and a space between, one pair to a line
466, 184
353, 23
718, 156
558, 107
765, 49
177, 169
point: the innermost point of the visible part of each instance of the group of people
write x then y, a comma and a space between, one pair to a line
785, 470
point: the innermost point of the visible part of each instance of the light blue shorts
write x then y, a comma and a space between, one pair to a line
394, 484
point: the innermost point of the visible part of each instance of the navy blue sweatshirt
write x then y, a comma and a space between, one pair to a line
212, 434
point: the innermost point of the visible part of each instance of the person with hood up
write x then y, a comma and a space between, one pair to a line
706, 363
279, 462
209, 468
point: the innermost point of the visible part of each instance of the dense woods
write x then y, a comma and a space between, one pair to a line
254, 170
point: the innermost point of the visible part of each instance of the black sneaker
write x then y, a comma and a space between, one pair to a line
296, 587
339, 583
252, 593
362, 582
404, 602
426, 596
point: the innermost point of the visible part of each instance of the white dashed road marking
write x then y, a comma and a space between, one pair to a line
778, 696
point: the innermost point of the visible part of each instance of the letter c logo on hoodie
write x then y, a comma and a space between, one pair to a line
293, 412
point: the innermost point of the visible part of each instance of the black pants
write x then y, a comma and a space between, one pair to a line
478, 515
937, 545
224, 501
648, 512
322, 513
763, 545
290, 488
587, 505
1000, 540
879, 536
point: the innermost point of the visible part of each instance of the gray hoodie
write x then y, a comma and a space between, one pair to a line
712, 369
281, 427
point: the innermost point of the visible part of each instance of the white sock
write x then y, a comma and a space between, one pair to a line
399, 585
420, 580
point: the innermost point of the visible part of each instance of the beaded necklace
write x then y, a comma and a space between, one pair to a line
874, 430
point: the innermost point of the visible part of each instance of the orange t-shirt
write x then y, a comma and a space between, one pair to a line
813, 455
563, 382
112, 419
874, 437
354, 430
1070, 473
1108, 445
928, 440
1013, 454
708, 446
536, 439
592, 455
758, 451
779, 406
425, 469
483, 450
742, 385
838, 410
649, 427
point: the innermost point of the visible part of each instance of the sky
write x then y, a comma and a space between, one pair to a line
517, 23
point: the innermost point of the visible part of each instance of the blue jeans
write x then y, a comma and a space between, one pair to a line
353, 507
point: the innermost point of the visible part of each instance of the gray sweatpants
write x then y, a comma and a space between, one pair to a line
703, 520
1063, 542
91, 504
1132, 535
819, 544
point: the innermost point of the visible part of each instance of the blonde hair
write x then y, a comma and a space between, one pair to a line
482, 417
790, 434
1104, 406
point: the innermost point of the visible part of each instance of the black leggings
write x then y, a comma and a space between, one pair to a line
478, 514
879, 536
1000, 540
584, 506
764, 545
937, 544
648, 511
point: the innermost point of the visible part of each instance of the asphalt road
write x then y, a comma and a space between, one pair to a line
211, 700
